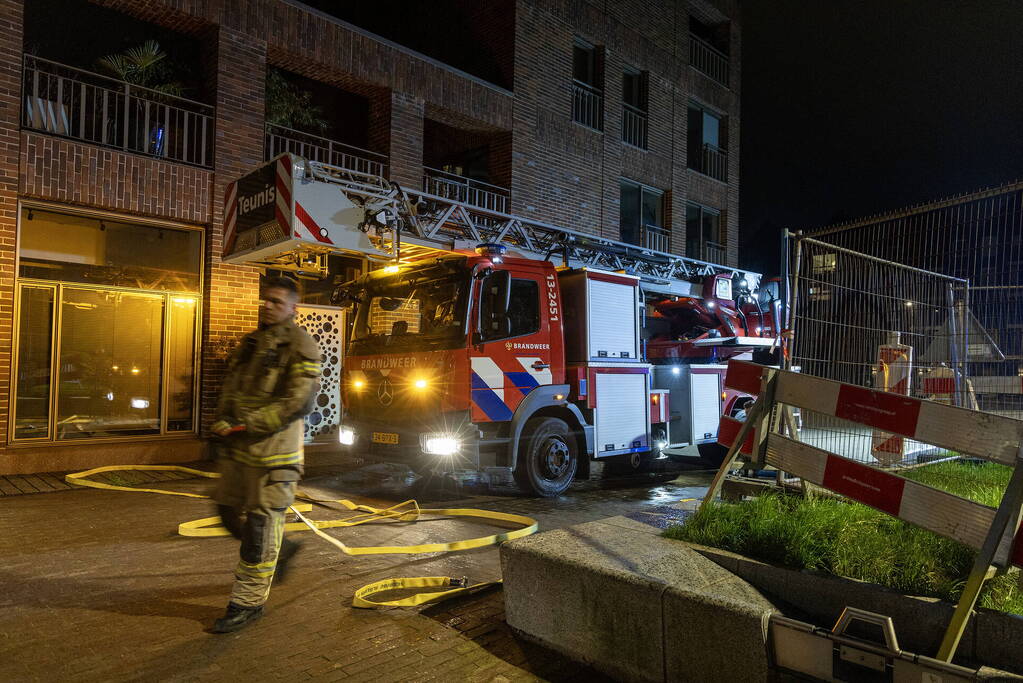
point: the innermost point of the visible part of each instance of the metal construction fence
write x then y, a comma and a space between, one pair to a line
873, 323
976, 237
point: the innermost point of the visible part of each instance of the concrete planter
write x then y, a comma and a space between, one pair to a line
618, 596
992, 638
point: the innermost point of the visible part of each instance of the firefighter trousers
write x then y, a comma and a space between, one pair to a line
252, 502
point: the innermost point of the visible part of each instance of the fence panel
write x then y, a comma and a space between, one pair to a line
978, 237
876, 324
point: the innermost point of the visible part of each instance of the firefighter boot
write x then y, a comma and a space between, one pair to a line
288, 550
236, 618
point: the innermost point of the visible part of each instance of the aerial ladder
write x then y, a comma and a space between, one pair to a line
290, 213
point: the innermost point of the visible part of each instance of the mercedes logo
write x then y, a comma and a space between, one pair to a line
385, 393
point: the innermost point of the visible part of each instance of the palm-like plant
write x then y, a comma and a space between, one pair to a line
145, 65
289, 106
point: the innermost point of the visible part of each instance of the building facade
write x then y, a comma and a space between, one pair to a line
116, 314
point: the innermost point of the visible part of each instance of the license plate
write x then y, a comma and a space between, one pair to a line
384, 437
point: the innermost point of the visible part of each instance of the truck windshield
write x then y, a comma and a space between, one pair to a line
416, 310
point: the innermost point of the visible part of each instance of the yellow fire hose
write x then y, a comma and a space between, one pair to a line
408, 511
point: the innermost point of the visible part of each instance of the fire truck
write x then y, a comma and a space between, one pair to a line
488, 345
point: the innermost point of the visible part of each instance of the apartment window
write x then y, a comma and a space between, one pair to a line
706, 142
107, 327
642, 216
587, 85
634, 107
708, 49
703, 233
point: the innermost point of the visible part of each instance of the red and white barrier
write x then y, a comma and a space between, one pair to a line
985, 435
894, 374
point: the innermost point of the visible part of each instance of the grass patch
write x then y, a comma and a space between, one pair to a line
854, 541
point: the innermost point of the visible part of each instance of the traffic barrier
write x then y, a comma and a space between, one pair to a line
993, 532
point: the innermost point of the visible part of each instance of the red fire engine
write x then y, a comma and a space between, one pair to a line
490, 358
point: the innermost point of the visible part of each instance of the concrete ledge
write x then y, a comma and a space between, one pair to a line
616, 595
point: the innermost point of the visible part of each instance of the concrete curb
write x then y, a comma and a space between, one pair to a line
636, 606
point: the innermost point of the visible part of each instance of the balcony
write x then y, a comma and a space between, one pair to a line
460, 189
711, 161
655, 237
705, 250
587, 105
82, 105
708, 60
634, 126
280, 140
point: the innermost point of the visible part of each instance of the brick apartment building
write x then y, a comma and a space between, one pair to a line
614, 118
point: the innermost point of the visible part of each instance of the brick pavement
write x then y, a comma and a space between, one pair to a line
96, 585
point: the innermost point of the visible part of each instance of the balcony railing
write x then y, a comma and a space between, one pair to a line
587, 105
466, 190
78, 104
280, 140
705, 250
634, 126
655, 237
708, 60
711, 161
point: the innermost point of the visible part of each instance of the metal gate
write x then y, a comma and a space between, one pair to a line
863, 320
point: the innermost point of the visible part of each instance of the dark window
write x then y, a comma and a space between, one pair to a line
703, 233
642, 216
706, 142
634, 88
634, 107
523, 309
584, 63
587, 85
716, 35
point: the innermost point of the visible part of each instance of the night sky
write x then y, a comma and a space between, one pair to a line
853, 107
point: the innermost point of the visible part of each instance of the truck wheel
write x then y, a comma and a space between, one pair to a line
547, 457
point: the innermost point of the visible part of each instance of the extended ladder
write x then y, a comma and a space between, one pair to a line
436, 222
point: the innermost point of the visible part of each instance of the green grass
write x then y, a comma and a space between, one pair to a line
852, 540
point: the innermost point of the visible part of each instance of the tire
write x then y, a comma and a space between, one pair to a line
547, 458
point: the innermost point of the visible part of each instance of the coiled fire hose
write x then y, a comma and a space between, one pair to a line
407, 511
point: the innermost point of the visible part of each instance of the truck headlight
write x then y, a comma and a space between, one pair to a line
346, 437
441, 444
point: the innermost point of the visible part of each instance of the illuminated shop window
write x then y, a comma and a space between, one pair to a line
107, 326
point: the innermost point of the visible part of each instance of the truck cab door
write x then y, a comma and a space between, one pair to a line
512, 352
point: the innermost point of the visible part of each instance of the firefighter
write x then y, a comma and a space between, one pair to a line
270, 386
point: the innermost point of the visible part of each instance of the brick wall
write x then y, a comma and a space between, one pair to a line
236, 64
73, 173
11, 12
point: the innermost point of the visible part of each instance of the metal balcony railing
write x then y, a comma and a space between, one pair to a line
587, 105
634, 126
655, 237
705, 250
82, 105
711, 161
280, 139
461, 189
708, 60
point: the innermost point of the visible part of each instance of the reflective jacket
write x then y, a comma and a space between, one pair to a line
269, 388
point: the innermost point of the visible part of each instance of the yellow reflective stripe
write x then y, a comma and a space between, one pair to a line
267, 460
254, 573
